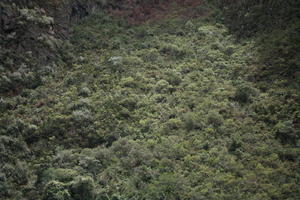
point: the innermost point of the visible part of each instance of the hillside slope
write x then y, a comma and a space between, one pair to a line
169, 108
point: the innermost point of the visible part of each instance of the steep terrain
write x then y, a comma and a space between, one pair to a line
173, 106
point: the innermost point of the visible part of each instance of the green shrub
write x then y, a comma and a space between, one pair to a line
34, 15
166, 165
244, 93
59, 174
151, 55
174, 123
81, 116
286, 132
116, 63
217, 46
82, 188
162, 86
229, 50
10, 146
205, 31
5, 84
180, 136
167, 186
133, 61
5, 187
16, 173
55, 125
121, 147
137, 156
191, 121
85, 92
49, 41
142, 32
173, 77
55, 190
81, 104
32, 80
173, 50
5, 104
190, 26
215, 119
128, 82
130, 103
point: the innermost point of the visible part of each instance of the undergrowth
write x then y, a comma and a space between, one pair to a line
164, 110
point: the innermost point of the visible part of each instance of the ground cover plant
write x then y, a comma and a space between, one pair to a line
171, 107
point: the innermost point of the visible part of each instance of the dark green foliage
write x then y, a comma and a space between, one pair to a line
14, 171
250, 16
243, 93
275, 24
191, 121
172, 50
28, 46
279, 51
55, 190
286, 132
82, 188
168, 186
170, 109
59, 174
214, 118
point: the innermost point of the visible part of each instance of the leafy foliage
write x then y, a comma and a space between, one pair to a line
275, 24
170, 109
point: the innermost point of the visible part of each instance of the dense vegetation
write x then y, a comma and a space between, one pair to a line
195, 103
275, 25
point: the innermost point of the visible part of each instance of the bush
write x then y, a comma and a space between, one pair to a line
162, 86
174, 124
190, 26
229, 50
4, 105
217, 46
191, 121
17, 173
243, 93
85, 92
121, 147
168, 186
55, 125
55, 190
5, 187
151, 55
5, 84
173, 77
130, 103
82, 188
81, 116
115, 63
133, 61
215, 119
137, 156
128, 82
173, 50
81, 104
12, 146
286, 132
205, 31
60, 174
